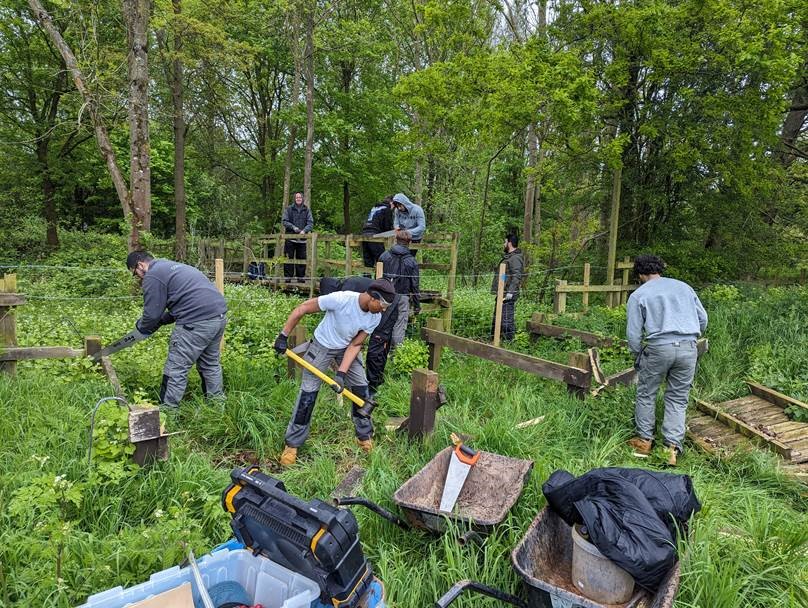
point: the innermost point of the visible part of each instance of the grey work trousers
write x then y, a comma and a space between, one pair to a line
321, 357
199, 343
400, 328
675, 363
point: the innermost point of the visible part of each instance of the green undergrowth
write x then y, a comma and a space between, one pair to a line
68, 529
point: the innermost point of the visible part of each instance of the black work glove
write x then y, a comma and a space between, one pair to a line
339, 378
281, 343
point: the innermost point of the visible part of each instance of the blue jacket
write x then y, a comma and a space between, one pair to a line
413, 220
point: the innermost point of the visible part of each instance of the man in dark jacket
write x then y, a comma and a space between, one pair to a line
380, 340
380, 219
401, 269
514, 270
297, 219
177, 293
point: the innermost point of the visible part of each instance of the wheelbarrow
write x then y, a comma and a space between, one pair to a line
543, 559
491, 489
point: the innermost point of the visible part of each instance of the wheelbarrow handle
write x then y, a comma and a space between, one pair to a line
369, 504
460, 586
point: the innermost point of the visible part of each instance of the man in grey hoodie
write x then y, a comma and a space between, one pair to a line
664, 320
410, 217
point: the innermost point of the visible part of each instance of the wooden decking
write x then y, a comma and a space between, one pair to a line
757, 420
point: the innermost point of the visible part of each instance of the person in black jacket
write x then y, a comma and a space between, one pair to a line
514, 271
401, 269
381, 339
297, 219
380, 219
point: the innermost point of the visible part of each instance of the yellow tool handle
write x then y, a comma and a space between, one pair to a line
325, 378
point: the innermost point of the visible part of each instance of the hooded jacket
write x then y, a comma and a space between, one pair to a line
514, 271
401, 269
413, 220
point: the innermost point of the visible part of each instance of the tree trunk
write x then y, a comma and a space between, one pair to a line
346, 73
309, 58
49, 203
180, 243
530, 185
101, 135
295, 99
793, 125
537, 219
136, 17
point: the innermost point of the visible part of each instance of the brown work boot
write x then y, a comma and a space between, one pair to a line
289, 456
365, 444
640, 445
671, 451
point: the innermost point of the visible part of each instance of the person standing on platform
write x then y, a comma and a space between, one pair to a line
297, 219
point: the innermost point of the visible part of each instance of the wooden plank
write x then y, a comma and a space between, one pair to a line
8, 322
11, 299
616, 288
435, 350
540, 367
560, 298
773, 396
498, 306
28, 353
587, 273
626, 265
580, 361
348, 256
423, 403
112, 377
556, 331
745, 429
627, 377
311, 263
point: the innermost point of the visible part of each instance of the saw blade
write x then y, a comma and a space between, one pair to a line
128, 340
455, 479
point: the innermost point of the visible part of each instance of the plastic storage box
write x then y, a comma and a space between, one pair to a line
266, 582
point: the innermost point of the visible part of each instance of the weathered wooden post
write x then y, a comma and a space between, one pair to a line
245, 265
626, 271
581, 361
424, 403
296, 338
560, 298
450, 286
498, 308
379, 270
434, 349
312, 263
8, 322
348, 256
587, 271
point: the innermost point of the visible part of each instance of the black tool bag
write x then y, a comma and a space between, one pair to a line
632, 515
313, 538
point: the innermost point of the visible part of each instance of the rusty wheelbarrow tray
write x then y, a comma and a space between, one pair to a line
543, 558
491, 489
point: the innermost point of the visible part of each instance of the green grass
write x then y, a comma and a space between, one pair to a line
749, 544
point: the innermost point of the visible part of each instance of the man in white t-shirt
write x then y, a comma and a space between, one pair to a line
349, 318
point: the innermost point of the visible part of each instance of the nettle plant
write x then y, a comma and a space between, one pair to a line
111, 446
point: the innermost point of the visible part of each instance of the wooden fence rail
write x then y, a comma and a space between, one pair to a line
616, 293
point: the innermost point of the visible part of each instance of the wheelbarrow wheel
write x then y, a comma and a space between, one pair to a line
460, 586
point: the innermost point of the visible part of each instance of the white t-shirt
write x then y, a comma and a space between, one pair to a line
343, 319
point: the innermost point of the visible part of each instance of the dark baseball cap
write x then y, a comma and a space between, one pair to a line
382, 290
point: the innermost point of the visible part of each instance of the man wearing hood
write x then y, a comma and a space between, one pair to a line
401, 269
514, 270
410, 217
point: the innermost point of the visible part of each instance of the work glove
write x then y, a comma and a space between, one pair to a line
281, 343
508, 296
339, 386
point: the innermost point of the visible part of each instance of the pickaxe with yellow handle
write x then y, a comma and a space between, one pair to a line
365, 407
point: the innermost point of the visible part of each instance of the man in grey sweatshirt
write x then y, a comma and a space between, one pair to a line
178, 293
664, 320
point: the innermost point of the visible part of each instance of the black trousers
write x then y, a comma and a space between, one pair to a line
371, 252
508, 327
376, 360
295, 251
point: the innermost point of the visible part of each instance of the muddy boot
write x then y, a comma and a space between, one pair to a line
365, 444
672, 453
289, 456
640, 445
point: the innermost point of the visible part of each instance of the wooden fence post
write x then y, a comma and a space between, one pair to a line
624, 294
423, 403
327, 267
8, 322
247, 252
560, 299
434, 349
92, 344
296, 338
498, 307
451, 283
581, 361
379, 270
587, 271
312, 263
348, 256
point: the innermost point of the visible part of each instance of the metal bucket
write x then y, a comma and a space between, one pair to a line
596, 576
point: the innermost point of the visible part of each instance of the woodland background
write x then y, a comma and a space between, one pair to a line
491, 113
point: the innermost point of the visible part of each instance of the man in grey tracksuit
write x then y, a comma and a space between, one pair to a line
410, 217
180, 294
665, 318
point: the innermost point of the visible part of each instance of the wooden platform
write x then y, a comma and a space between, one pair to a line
757, 420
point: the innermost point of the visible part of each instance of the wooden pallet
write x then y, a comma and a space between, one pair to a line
755, 420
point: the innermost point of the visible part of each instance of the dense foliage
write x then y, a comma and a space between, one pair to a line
492, 114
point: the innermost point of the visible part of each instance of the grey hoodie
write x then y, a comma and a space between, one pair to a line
413, 220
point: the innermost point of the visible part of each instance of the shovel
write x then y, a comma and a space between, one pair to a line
462, 459
365, 408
